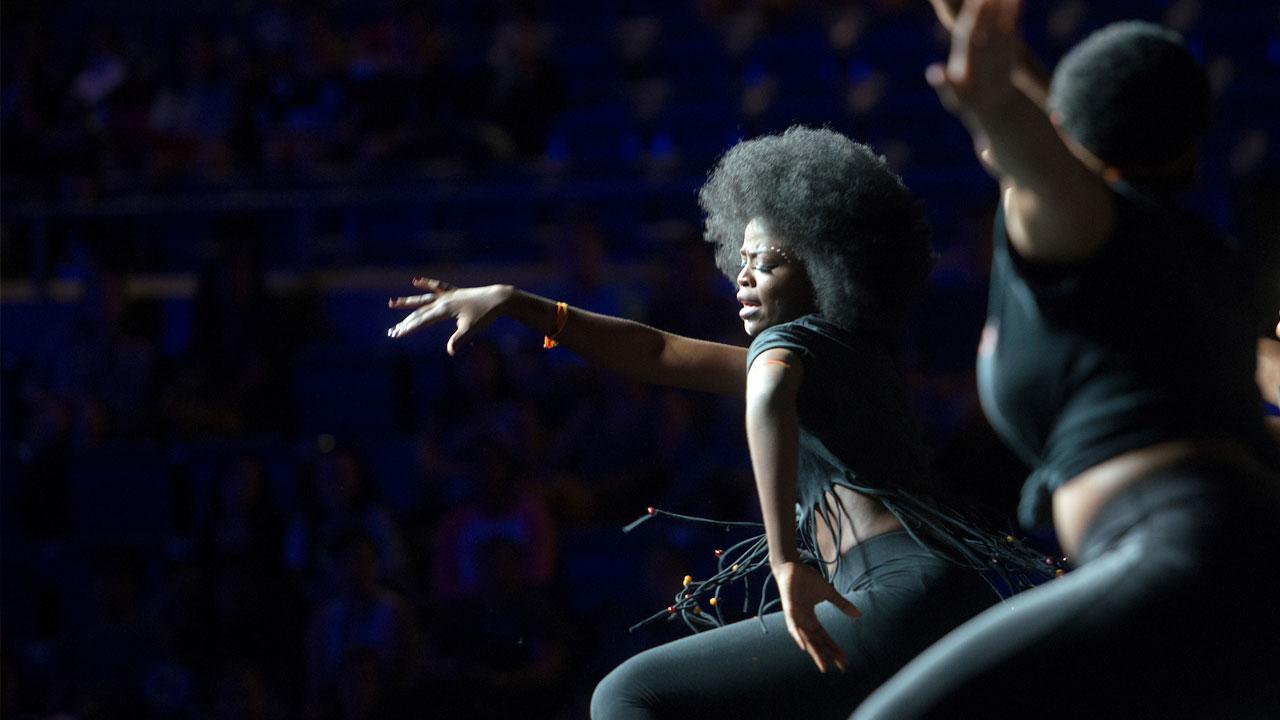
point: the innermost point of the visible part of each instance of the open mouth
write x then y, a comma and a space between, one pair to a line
749, 309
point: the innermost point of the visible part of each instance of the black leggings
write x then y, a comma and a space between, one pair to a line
1173, 614
908, 599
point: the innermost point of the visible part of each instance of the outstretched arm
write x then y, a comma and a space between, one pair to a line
773, 436
1057, 209
629, 348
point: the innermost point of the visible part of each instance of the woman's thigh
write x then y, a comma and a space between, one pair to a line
1153, 628
751, 670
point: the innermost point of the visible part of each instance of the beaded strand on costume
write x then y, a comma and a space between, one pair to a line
947, 534
735, 563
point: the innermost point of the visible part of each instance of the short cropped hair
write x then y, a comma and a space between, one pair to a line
1133, 95
859, 232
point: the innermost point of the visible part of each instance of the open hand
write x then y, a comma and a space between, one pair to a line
473, 308
985, 47
801, 588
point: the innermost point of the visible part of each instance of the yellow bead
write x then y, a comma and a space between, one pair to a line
712, 601
734, 568
1008, 539
1059, 572
688, 579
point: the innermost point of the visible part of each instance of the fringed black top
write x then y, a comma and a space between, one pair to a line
856, 431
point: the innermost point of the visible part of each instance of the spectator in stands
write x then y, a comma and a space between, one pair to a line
363, 615
506, 639
338, 499
501, 505
244, 526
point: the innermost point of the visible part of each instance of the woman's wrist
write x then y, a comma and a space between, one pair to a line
781, 560
536, 313
506, 294
509, 301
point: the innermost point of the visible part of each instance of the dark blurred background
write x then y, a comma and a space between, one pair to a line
226, 494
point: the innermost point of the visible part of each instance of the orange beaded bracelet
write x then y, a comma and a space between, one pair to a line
562, 314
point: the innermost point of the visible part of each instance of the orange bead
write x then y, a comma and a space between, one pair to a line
688, 579
1059, 572
712, 601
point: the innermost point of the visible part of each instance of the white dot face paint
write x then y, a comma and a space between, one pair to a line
773, 287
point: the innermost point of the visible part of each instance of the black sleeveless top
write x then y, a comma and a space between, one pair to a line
1146, 341
855, 423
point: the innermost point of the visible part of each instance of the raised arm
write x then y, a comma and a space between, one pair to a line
773, 436
1057, 208
632, 349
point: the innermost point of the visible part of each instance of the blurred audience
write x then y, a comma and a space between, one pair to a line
491, 580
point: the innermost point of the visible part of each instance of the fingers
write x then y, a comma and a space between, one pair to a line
458, 336
428, 310
946, 11
936, 76
432, 284
843, 605
973, 30
809, 634
411, 301
961, 35
983, 22
422, 317
824, 651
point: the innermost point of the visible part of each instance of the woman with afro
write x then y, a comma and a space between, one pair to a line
827, 249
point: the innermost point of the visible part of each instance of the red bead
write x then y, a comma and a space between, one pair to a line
652, 510
1048, 561
719, 553
671, 609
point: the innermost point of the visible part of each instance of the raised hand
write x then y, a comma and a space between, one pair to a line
801, 588
946, 10
985, 47
473, 308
